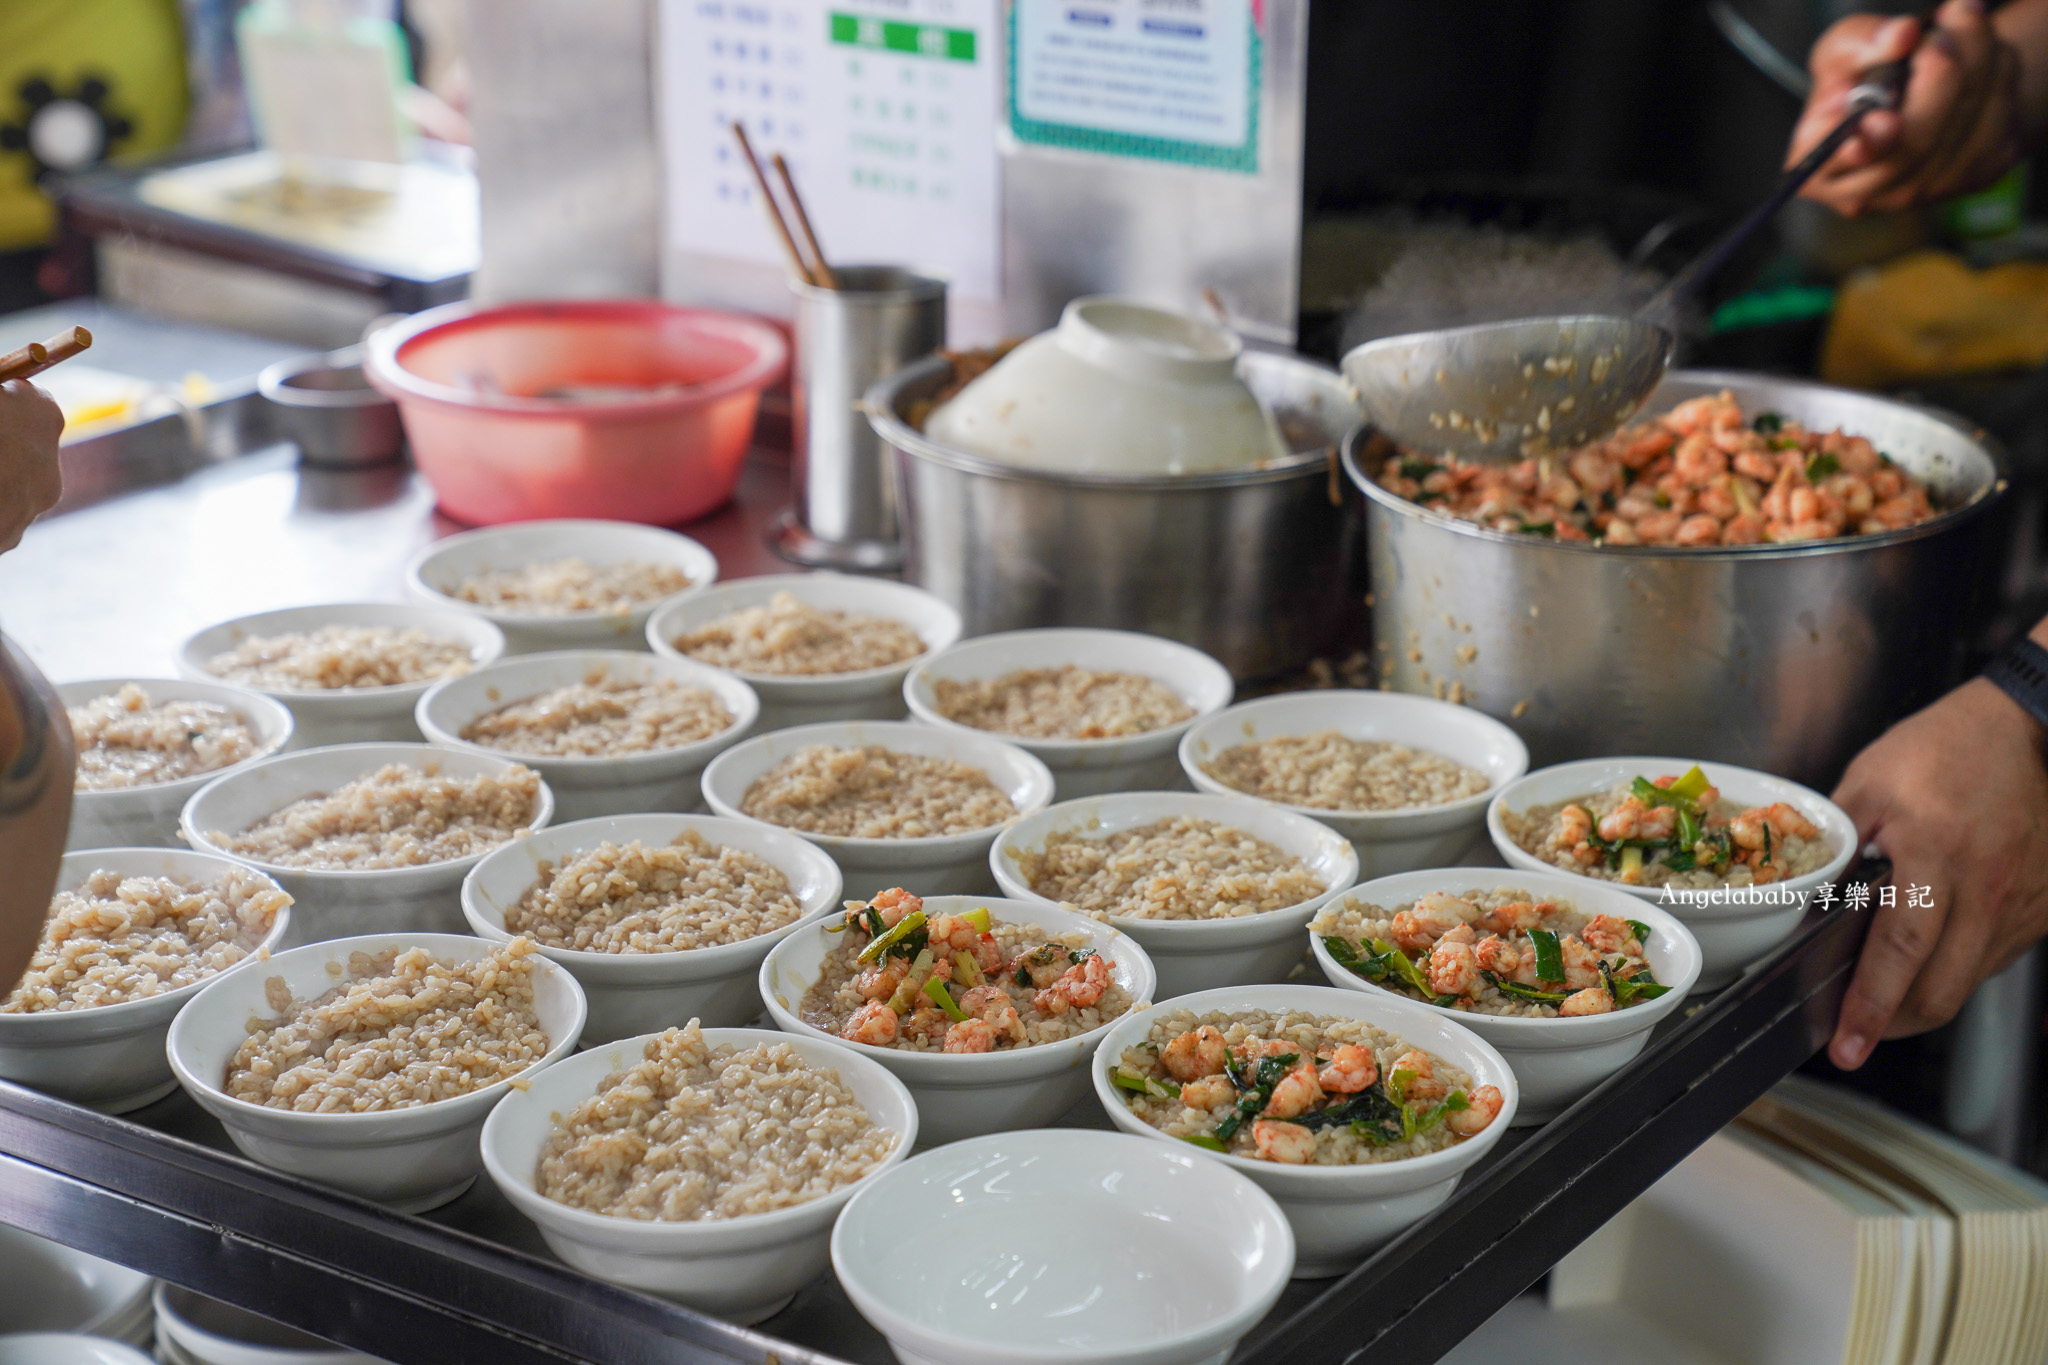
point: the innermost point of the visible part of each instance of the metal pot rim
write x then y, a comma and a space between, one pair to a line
1976, 505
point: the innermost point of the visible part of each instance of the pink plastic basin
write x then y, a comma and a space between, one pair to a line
465, 381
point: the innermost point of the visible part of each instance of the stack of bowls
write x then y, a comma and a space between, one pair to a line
52, 1288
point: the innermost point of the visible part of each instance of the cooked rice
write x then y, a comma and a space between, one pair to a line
633, 898
125, 740
875, 793
833, 998
603, 717
1181, 868
1536, 830
559, 587
1355, 921
1330, 771
695, 1132
794, 638
340, 657
397, 816
406, 1029
114, 938
1061, 703
1315, 1035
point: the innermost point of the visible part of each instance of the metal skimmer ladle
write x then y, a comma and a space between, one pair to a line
1501, 390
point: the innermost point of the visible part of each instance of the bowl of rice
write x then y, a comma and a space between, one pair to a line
133, 935
1216, 889
612, 732
967, 1076
1629, 965
1406, 779
1104, 709
1373, 1142
1737, 913
349, 672
815, 646
892, 802
660, 918
563, 584
369, 1064
369, 838
703, 1165
146, 744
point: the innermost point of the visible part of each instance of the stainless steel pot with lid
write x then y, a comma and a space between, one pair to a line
1786, 658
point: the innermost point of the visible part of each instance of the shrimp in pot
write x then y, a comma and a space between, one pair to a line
1295, 1093
1352, 1068
971, 1035
1081, 986
1453, 969
874, 1024
1195, 1055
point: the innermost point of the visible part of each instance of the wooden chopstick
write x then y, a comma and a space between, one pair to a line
803, 223
37, 356
796, 257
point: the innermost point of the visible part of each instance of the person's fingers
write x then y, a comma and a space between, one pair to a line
1955, 966
1902, 938
1938, 92
1843, 53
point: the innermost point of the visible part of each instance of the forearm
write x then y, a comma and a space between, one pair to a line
2024, 25
35, 807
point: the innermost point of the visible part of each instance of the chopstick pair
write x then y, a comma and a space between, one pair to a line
37, 356
812, 269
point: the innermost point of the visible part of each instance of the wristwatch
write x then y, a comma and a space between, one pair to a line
2020, 670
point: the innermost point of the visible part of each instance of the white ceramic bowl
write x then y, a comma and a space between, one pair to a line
350, 714
935, 865
1084, 767
67, 1348
1387, 841
797, 699
138, 817
745, 1268
632, 993
340, 903
410, 1159
960, 1096
209, 1332
1340, 1214
1556, 1061
52, 1288
1195, 955
112, 1057
1734, 927
1118, 387
1191, 1257
659, 780
437, 571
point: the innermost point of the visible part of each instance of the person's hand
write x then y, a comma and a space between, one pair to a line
30, 481
1957, 797
1958, 128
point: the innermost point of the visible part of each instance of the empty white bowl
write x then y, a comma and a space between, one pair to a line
53, 1288
966, 1095
1387, 841
209, 1332
1118, 387
339, 903
437, 571
743, 1268
1556, 1061
147, 816
632, 993
802, 699
1189, 1256
934, 865
410, 1159
1191, 954
1339, 1213
112, 1057
1734, 926
345, 715
1084, 767
653, 780
67, 1348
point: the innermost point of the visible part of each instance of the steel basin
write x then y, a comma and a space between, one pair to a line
1256, 567
1783, 658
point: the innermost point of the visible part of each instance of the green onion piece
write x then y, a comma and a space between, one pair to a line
1346, 955
936, 992
1398, 1082
1079, 955
1205, 1142
1402, 966
966, 970
1691, 785
978, 917
1417, 470
1649, 793
907, 989
906, 926
1768, 422
1641, 986
1640, 930
1517, 991
1819, 466
1631, 860
840, 927
1138, 1082
1688, 828
1537, 528
1549, 957
1418, 1123
874, 921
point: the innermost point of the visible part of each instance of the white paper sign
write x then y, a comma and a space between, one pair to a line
886, 111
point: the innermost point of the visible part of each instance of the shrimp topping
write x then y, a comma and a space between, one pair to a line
1288, 1143
1351, 1069
1195, 1055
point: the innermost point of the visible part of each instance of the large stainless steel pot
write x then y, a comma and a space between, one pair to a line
1784, 658
1256, 567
